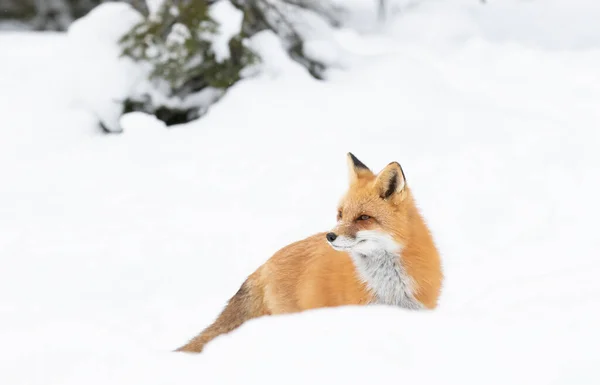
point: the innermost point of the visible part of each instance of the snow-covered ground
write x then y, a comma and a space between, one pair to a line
114, 250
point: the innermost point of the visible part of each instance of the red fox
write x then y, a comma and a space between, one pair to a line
380, 252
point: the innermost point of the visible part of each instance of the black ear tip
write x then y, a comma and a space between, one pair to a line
401, 170
357, 163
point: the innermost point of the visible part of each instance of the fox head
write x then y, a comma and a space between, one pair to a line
372, 216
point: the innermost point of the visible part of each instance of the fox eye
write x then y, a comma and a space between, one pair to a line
339, 215
363, 218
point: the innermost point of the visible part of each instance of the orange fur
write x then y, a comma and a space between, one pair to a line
310, 274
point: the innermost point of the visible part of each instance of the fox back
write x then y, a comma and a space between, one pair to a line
380, 252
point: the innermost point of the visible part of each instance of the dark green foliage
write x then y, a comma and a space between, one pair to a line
277, 16
52, 15
169, 115
177, 44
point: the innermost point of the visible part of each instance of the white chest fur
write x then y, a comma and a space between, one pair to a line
377, 258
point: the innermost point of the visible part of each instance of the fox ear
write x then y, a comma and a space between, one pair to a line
390, 180
356, 168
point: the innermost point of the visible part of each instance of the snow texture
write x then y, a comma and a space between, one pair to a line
229, 19
154, 7
114, 250
101, 78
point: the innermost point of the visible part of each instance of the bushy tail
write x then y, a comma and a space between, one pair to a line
246, 304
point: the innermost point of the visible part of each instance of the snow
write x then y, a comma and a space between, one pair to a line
154, 7
178, 35
101, 78
229, 19
115, 249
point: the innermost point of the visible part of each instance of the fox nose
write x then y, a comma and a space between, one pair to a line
331, 237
